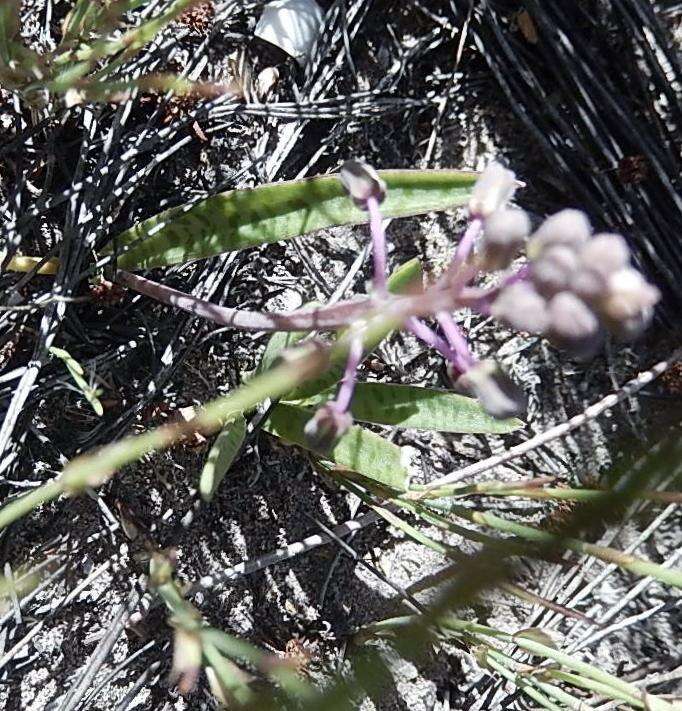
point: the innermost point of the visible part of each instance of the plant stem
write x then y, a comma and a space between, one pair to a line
639, 566
597, 687
95, 468
456, 339
376, 226
432, 340
522, 684
345, 394
466, 244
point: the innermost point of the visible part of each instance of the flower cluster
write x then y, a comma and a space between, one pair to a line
575, 287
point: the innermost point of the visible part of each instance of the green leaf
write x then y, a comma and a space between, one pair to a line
278, 342
10, 20
81, 20
400, 281
422, 409
536, 634
221, 455
240, 219
359, 449
88, 17
76, 371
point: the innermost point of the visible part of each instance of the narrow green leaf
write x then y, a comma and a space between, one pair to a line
92, 17
239, 219
231, 683
76, 371
278, 342
536, 634
10, 19
221, 455
71, 363
423, 409
81, 20
359, 449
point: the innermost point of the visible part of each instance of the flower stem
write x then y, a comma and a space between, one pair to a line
345, 394
376, 227
466, 244
432, 339
456, 339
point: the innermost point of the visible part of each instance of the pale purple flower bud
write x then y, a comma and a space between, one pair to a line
589, 285
553, 270
362, 182
493, 189
520, 306
325, 427
600, 257
499, 395
567, 227
504, 233
628, 304
605, 253
573, 325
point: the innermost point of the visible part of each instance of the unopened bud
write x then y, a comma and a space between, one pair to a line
493, 189
598, 258
605, 253
362, 182
567, 227
573, 325
520, 306
554, 269
499, 395
504, 233
628, 303
325, 427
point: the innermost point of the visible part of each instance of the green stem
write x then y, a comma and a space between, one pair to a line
524, 685
541, 650
494, 656
597, 687
535, 492
95, 468
639, 566
26, 503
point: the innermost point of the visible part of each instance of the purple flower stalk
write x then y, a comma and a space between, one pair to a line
345, 394
376, 226
465, 359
